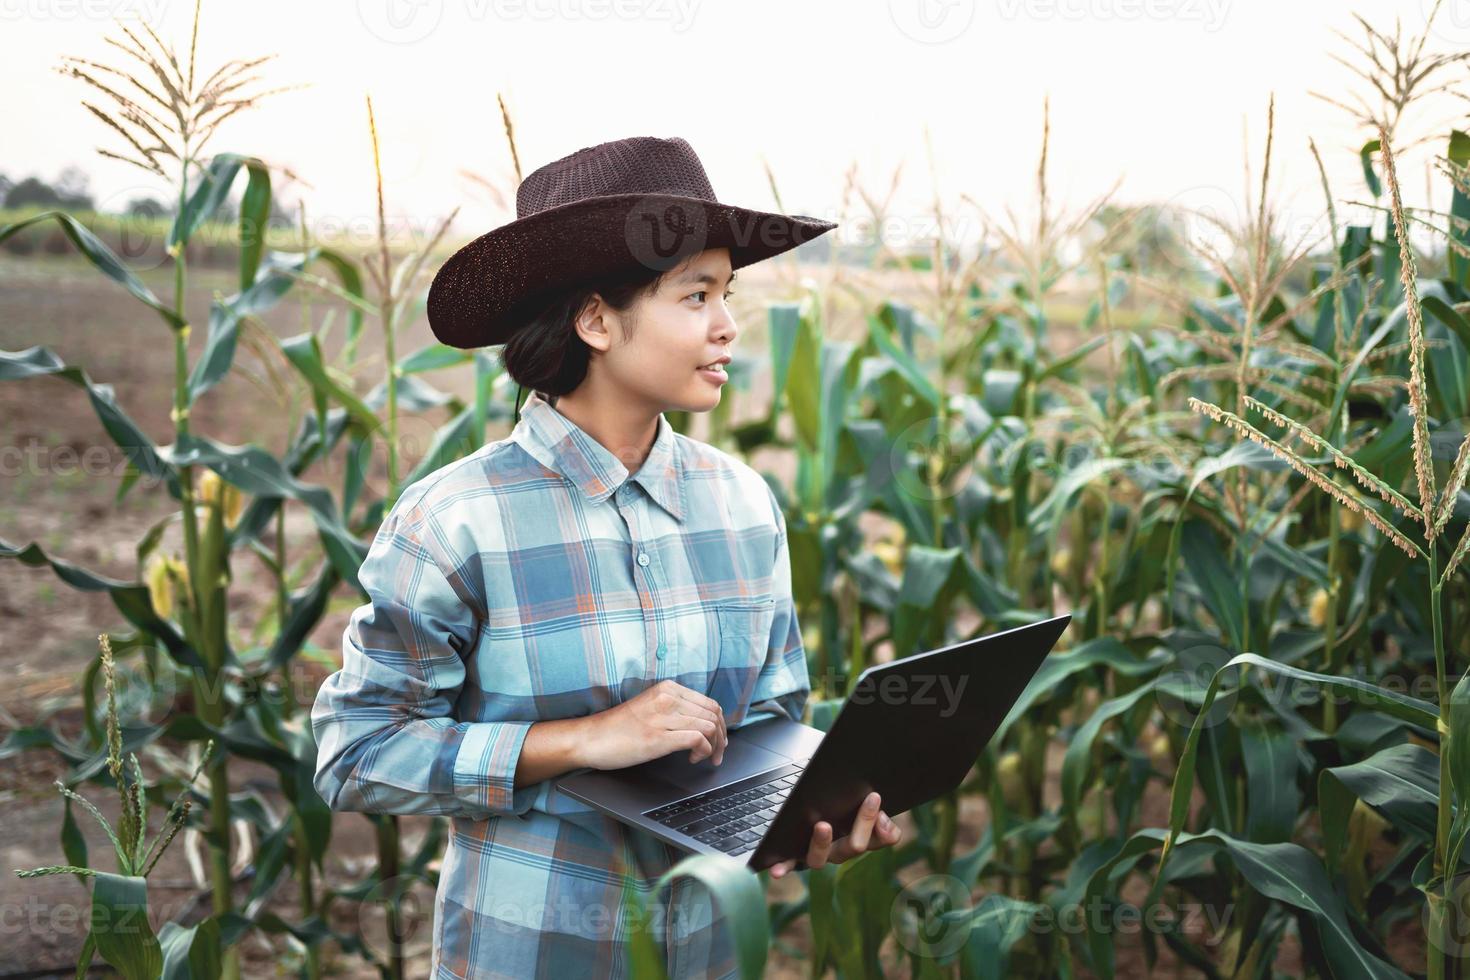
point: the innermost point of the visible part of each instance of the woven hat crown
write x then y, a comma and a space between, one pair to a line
638, 165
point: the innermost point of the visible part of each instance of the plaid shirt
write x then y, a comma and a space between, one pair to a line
537, 579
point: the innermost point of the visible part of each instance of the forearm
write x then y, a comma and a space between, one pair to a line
372, 759
552, 748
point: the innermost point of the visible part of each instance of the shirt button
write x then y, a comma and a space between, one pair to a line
660, 651
642, 558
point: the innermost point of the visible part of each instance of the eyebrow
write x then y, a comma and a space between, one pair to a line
704, 277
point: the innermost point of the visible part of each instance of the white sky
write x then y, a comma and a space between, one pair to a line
1153, 91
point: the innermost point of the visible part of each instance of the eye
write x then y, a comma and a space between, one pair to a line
702, 292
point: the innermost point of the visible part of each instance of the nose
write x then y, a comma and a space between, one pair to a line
725, 329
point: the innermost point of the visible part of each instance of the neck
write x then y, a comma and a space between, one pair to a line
619, 422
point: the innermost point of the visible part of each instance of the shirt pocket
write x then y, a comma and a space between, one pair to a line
744, 627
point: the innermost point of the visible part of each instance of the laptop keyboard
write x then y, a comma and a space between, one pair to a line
732, 818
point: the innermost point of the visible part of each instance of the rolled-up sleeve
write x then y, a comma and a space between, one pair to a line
387, 739
783, 683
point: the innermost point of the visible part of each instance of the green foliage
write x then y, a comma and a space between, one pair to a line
119, 928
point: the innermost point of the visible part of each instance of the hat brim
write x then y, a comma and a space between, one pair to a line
484, 292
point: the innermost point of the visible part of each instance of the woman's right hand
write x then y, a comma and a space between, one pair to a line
661, 719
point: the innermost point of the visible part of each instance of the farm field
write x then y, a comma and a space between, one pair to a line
1238, 456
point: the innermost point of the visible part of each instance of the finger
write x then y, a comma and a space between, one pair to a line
821, 846
703, 700
780, 868
682, 715
888, 829
693, 709
862, 828
702, 725
717, 735
698, 745
710, 705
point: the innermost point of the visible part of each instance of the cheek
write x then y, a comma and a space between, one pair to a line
669, 352
657, 363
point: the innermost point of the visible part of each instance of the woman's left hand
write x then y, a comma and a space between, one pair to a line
872, 829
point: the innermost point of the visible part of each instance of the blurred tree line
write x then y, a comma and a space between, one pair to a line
70, 191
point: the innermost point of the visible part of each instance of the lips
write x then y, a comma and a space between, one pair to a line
714, 375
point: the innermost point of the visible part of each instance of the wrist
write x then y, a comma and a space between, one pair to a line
581, 740
552, 748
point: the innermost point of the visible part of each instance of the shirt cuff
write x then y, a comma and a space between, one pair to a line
485, 767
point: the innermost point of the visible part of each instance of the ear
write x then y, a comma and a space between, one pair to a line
593, 326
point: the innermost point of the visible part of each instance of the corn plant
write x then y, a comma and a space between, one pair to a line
166, 122
1432, 512
1399, 73
179, 604
120, 931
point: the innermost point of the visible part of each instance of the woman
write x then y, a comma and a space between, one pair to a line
595, 590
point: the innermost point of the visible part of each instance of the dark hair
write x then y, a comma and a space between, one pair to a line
545, 354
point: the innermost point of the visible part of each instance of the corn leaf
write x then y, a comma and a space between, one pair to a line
211, 191
120, 926
741, 901
1401, 782
36, 362
1075, 764
256, 471
101, 257
1285, 872
225, 316
1401, 706
305, 354
1272, 794
995, 923
191, 953
131, 598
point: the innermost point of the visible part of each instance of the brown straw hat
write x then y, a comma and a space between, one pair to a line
606, 209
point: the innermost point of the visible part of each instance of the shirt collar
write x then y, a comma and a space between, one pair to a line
560, 444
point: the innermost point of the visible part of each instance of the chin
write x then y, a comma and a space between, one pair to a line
704, 403
712, 399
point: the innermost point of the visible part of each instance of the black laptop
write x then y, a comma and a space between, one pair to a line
911, 729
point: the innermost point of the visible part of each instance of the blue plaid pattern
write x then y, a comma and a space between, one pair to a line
537, 579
